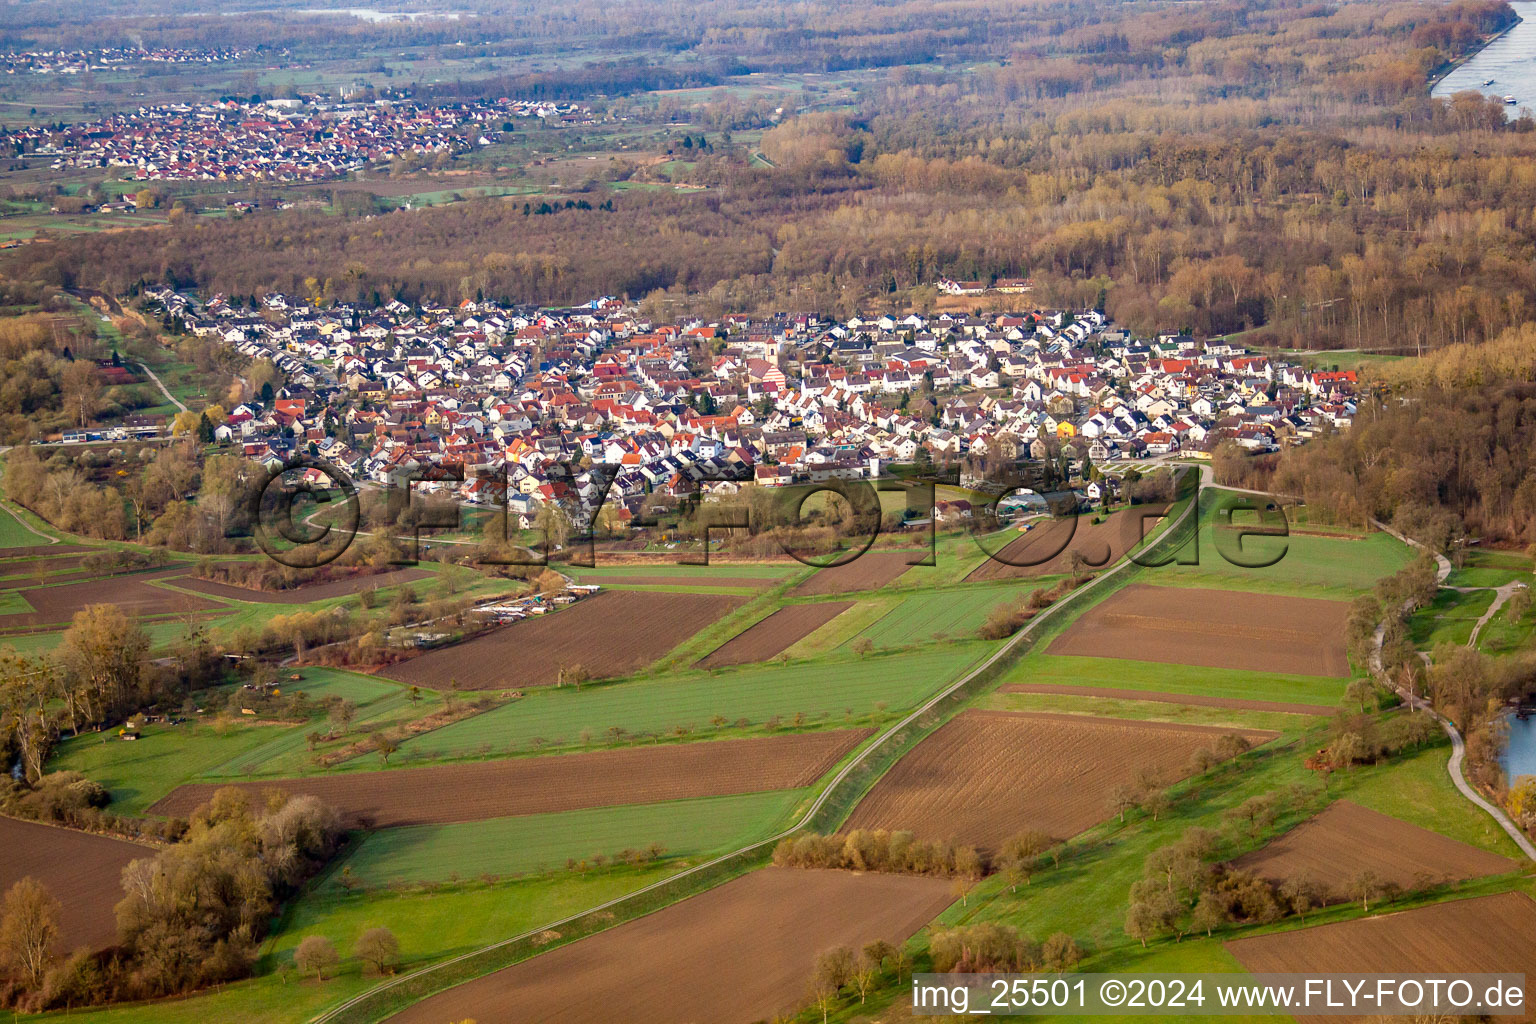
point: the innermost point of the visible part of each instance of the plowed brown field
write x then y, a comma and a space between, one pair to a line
870, 571
83, 872
741, 952
1232, 703
1493, 934
779, 631
1219, 628
536, 785
707, 578
987, 775
132, 594
300, 595
1346, 839
612, 633
1044, 550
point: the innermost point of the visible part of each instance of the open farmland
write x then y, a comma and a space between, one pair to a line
54, 605
822, 691
537, 785
1346, 839
609, 634
777, 632
1219, 628
987, 775
305, 594
940, 615
718, 578
1046, 549
870, 571
81, 870
1492, 934
544, 842
1193, 700
740, 952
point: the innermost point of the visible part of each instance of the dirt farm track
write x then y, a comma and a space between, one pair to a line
440, 794
83, 872
1220, 628
1347, 839
1493, 934
987, 775
741, 952
609, 634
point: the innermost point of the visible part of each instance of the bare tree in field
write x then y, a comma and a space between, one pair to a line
1361, 691
384, 745
29, 929
316, 953
1301, 894
834, 969
1122, 799
378, 946
1365, 886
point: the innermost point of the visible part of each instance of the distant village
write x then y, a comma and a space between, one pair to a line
74, 62
276, 140
511, 394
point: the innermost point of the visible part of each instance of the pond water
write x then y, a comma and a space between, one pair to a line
1520, 758
1510, 61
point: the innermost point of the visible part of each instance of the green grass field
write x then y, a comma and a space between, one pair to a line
165, 756
1501, 636
139, 773
13, 534
1309, 565
941, 615
822, 691
1449, 618
287, 752
12, 603
545, 842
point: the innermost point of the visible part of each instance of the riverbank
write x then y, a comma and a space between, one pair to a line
1445, 70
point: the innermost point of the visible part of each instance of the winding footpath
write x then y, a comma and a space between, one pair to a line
163, 389
1458, 746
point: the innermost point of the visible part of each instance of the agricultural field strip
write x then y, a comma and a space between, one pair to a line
685, 703
667, 964
80, 868
1488, 934
986, 775
300, 595
636, 629
767, 637
1232, 703
1171, 528
1345, 839
1228, 629
442, 794
545, 842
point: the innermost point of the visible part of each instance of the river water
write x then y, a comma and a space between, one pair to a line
1509, 60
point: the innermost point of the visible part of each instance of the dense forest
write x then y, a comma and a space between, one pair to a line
1217, 168
1446, 454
